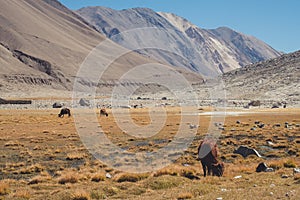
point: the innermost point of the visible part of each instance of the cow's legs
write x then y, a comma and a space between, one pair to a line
204, 168
209, 169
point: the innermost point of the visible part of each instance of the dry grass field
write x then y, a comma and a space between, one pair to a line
42, 157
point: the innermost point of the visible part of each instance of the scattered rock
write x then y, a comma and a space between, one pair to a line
107, 175
296, 170
238, 122
219, 198
84, 102
246, 151
237, 177
284, 176
57, 105
262, 167
276, 125
192, 126
270, 169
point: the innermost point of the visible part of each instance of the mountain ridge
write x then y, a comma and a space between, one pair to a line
205, 50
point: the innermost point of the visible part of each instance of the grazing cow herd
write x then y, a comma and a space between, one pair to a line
207, 150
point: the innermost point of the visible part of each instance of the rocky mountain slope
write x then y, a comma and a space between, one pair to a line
43, 44
178, 42
274, 79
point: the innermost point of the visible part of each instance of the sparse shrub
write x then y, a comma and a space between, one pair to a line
4, 188
185, 195
68, 178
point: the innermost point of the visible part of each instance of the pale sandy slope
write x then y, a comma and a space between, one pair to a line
54, 42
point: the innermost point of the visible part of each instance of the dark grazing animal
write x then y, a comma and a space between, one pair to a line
64, 111
103, 112
207, 154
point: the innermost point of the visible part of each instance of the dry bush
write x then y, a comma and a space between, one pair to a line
289, 164
297, 177
166, 171
130, 177
32, 169
97, 194
98, 177
22, 194
178, 170
13, 144
75, 156
69, 177
40, 178
185, 195
80, 195
4, 188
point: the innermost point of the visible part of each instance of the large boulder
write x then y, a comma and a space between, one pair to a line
246, 151
262, 167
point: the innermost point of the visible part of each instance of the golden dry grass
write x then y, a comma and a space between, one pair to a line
42, 156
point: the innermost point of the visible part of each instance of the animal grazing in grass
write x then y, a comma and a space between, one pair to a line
207, 154
103, 112
64, 111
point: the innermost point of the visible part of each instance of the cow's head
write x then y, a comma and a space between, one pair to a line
218, 169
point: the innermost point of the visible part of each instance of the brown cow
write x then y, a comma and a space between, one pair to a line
103, 112
207, 154
64, 111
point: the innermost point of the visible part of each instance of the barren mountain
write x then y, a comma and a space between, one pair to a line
43, 44
176, 41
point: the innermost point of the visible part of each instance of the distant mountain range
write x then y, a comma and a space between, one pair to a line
43, 44
178, 42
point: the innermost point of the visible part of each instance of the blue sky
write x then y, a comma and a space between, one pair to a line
276, 22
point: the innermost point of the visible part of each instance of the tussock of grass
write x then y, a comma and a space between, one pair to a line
130, 177
96, 194
22, 194
175, 170
163, 182
4, 188
80, 195
13, 144
98, 177
75, 156
32, 169
68, 178
289, 164
185, 195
